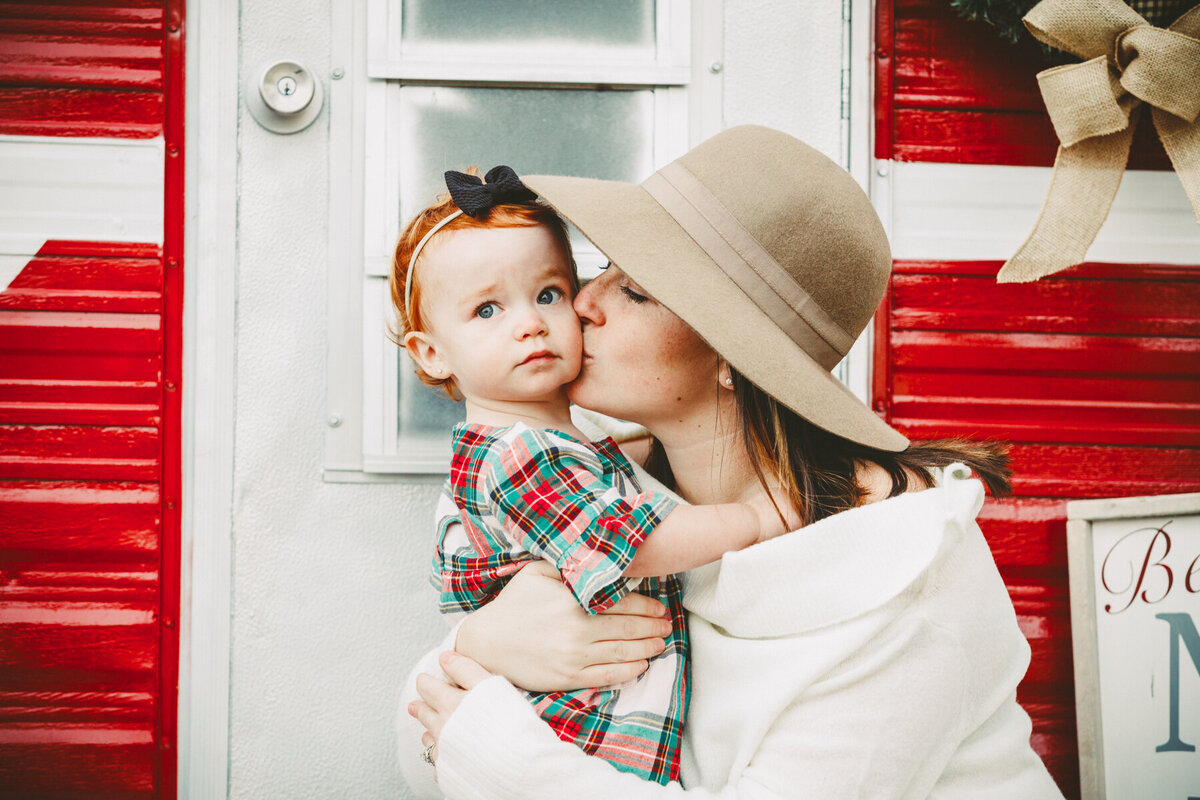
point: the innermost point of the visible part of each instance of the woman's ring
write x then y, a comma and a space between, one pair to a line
427, 754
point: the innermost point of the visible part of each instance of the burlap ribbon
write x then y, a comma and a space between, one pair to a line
1127, 62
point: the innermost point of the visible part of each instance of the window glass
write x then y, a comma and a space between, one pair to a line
534, 24
425, 412
584, 132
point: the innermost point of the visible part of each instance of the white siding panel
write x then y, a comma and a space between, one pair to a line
105, 190
985, 212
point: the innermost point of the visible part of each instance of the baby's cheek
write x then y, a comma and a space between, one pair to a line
574, 334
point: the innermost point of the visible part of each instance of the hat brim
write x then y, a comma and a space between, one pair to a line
636, 234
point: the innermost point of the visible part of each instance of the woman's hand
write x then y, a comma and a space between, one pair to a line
439, 699
535, 634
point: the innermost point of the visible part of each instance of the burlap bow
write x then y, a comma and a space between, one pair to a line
1128, 62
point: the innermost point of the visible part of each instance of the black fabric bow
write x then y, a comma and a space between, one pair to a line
476, 196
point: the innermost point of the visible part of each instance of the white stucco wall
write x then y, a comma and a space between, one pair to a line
330, 600
783, 62
330, 595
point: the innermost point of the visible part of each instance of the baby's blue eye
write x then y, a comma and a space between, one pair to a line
549, 296
486, 311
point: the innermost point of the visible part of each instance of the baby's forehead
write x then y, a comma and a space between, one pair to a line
496, 240
527, 249
525, 272
465, 261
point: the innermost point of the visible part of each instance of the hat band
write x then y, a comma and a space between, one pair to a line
745, 262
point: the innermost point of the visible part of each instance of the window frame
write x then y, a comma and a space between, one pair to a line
361, 441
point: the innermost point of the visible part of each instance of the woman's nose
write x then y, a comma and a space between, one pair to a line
587, 302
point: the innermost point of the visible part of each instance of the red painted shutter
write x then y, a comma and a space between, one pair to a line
90, 368
1093, 374
82, 68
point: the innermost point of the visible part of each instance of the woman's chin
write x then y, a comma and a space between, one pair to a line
584, 392
576, 393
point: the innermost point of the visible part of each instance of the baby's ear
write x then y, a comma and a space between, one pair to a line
423, 350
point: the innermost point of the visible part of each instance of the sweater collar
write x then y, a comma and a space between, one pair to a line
831, 571
837, 569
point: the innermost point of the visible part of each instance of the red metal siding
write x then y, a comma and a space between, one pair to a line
170, 555
952, 91
90, 437
81, 360
1093, 374
82, 68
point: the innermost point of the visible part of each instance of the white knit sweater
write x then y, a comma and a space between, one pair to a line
873, 654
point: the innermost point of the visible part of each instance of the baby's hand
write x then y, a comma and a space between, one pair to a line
770, 524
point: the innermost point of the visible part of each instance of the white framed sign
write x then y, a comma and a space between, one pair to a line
1134, 569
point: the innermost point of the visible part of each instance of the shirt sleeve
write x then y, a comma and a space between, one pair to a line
419, 776
495, 747
551, 495
886, 728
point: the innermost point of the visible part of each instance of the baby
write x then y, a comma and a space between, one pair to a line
483, 283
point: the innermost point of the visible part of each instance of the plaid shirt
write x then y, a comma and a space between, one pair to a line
522, 494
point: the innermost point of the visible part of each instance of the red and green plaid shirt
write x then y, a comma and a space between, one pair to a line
521, 494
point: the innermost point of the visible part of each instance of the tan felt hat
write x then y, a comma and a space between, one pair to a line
766, 248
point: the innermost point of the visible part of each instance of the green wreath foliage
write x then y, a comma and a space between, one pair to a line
1003, 15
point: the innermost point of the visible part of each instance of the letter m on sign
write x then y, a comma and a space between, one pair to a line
1182, 630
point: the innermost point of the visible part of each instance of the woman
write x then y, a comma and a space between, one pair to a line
874, 652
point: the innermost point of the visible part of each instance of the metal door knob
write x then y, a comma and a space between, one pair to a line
285, 98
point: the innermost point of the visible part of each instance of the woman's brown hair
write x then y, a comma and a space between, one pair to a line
818, 469
505, 215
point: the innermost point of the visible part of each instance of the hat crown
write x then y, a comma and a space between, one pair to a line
806, 212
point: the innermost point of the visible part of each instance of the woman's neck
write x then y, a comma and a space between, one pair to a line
708, 459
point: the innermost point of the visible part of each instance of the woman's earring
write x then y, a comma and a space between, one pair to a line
729, 380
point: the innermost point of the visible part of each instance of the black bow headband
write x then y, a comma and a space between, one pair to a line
476, 196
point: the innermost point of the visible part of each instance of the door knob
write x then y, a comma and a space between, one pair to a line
284, 96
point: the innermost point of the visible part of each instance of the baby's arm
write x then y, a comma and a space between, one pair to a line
553, 500
693, 535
